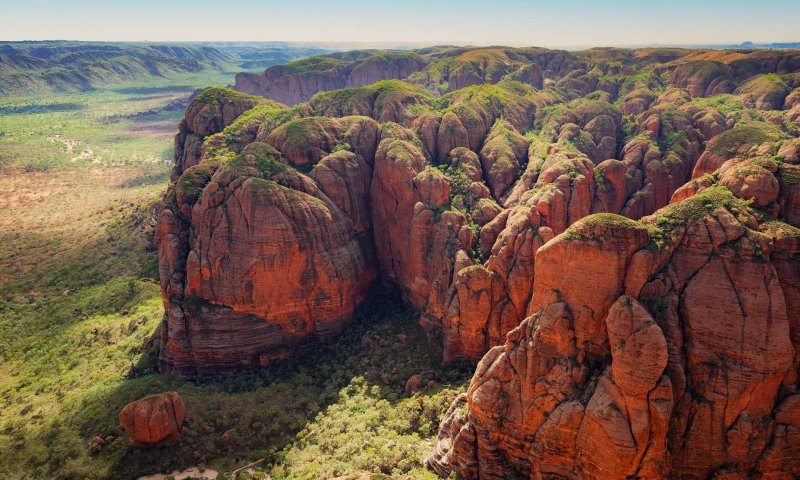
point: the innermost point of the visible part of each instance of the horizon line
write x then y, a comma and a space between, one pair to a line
424, 44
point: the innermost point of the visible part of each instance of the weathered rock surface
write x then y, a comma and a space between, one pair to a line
209, 113
766, 92
703, 78
261, 231
677, 359
279, 219
744, 140
154, 419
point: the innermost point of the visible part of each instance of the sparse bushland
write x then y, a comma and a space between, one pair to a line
131, 125
343, 398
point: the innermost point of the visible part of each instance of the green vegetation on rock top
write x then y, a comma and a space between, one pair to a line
745, 134
594, 226
671, 221
218, 94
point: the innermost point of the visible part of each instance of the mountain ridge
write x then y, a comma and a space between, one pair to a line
35, 67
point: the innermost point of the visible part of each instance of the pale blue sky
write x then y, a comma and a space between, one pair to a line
512, 22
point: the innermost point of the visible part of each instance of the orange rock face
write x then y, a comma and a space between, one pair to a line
308, 263
255, 243
154, 419
677, 359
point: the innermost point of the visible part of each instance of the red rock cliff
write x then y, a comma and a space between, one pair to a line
668, 342
280, 218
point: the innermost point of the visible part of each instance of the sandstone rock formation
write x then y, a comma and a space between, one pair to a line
280, 219
154, 419
762, 79
298, 81
278, 255
614, 234
668, 342
209, 113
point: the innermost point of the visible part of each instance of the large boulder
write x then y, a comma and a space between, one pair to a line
154, 419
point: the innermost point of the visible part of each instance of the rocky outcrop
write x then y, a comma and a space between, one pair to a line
261, 229
666, 341
209, 113
766, 92
703, 78
503, 156
447, 69
637, 101
153, 419
530, 74
592, 126
384, 67
407, 196
480, 66
742, 141
298, 81
279, 219
619, 251
384, 101
752, 180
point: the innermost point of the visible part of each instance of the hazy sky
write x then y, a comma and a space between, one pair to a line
512, 22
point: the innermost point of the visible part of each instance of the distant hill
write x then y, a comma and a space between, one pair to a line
56, 66
260, 55
779, 45
66, 66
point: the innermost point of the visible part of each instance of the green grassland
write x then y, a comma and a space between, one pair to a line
80, 307
114, 126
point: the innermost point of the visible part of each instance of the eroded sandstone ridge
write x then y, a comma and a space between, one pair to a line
656, 349
461, 190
